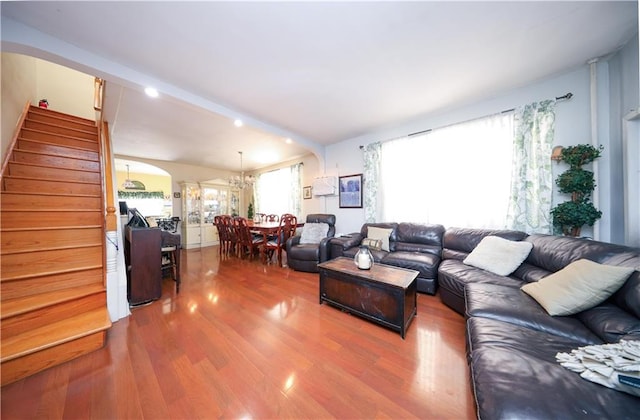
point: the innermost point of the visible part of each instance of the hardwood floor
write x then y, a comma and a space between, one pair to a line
246, 340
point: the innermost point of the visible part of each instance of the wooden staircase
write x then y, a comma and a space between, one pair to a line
52, 287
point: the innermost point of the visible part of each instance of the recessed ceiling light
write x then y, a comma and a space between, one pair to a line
237, 123
288, 140
152, 92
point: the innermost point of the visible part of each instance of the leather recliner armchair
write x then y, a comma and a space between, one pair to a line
305, 257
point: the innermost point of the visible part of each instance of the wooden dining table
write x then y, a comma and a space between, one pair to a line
266, 229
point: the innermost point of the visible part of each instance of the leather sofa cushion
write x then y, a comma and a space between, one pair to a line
609, 322
515, 376
415, 233
553, 253
512, 305
529, 273
465, 240
452, 254
455, 275
411, 247
307, 252
425, 264
628, 296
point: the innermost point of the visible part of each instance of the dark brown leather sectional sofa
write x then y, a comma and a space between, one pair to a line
511, 340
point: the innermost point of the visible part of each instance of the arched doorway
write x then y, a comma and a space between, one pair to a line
144, 187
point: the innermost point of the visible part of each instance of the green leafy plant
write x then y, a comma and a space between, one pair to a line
580, 154
576, 181
250, 211
570, 216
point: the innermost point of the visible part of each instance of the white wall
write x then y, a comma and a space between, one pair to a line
27, 79
66, 90
18, 88
573, 126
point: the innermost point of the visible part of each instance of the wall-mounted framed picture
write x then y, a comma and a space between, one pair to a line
306, 192
350, 191
176, 195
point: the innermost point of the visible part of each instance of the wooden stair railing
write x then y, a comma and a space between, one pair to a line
52, 271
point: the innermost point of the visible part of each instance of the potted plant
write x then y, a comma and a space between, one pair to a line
250, 211
570, 216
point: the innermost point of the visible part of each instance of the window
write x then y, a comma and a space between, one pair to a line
278, 191
458, 175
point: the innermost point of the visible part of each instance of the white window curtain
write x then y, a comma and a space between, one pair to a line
531, 186
371, 194
279, 191
455, 176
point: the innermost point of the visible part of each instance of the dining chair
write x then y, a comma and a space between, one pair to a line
272, 218
259, 217
285, 231
230, 234
248, 244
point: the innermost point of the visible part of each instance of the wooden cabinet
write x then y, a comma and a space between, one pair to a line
200, 204
143, 258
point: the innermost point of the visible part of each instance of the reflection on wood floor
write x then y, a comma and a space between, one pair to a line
248, 340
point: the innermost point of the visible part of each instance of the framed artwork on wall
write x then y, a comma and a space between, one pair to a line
350, 191
306, 192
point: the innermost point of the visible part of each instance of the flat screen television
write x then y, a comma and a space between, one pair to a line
137, 219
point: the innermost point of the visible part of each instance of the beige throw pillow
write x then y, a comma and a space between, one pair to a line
581, 285
498, 255
375, 244
379, 233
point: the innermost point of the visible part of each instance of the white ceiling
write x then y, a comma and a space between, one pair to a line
317, 72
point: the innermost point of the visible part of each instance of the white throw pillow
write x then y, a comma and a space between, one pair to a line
581, 285
498, 255
313, 233
380, 233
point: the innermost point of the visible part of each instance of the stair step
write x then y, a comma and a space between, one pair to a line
43, 284
33, 363
42, 263
36, 185
57, 129
56, 333
48, 172
55, 119
19, 241
43, 159
40, 310
56, 149
34, 219
26, 201
59, 139
48, 111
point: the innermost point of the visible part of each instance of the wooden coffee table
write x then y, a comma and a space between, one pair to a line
384, 294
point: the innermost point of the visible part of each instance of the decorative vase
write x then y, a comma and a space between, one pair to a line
363, 258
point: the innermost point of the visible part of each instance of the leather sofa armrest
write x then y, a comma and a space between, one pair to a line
341, 243
292, 241
324, 249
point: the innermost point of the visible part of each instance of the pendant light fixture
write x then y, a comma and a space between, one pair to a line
241, 182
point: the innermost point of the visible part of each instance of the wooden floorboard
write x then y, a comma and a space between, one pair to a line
248, 340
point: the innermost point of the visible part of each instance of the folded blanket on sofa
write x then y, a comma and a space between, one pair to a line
615, 366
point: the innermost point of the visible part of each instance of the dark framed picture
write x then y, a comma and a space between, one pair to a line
306, 192
176, 195
350, 191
